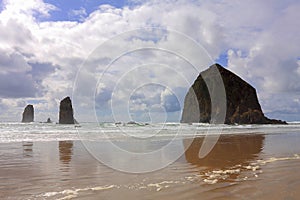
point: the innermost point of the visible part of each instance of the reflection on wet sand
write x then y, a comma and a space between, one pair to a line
230, 156
65, 152
236, 168
229, 150
27, 149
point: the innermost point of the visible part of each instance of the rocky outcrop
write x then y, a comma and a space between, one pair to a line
28, 114
242, 106
49, 120
66, 111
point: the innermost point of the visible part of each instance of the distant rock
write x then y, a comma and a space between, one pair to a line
242, 106
66, 111
28, 114
49, 120
132, 123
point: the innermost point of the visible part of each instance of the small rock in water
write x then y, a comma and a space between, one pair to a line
49, 120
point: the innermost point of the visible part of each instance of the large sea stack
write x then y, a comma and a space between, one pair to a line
66, 111
28, 114
242, 106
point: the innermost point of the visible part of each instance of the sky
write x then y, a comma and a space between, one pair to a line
135, 60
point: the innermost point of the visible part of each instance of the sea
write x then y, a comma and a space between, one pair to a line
149, 161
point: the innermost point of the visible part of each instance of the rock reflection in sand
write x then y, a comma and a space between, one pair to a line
27, 149
228, 158
65, 153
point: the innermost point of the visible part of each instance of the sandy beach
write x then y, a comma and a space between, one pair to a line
244, 166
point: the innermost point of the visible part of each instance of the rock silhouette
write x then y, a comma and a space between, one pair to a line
49, 120
66, 111
28, 114
242, 106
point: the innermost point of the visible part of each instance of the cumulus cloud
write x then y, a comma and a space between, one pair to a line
15, 82
42, 57
78, 13
170, 101
29, 8
270, 61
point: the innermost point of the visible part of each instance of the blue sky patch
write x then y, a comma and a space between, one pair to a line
70, 10
223, 59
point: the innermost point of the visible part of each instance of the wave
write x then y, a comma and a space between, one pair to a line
19, 132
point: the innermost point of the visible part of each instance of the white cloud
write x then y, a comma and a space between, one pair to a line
170, 101
29, 8
298, 69
13, 63
78, 13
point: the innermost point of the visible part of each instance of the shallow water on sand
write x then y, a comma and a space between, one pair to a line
240, 166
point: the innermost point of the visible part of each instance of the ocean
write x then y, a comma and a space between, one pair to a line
149, 161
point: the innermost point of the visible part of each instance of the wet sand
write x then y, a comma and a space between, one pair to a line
249, 166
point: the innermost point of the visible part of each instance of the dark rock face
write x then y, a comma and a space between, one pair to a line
28, 114
66, 111
242, 106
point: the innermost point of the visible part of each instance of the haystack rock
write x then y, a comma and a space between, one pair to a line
49, 120
66, 111
28, 114
242, 106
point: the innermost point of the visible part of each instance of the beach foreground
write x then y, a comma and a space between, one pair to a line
240, 166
